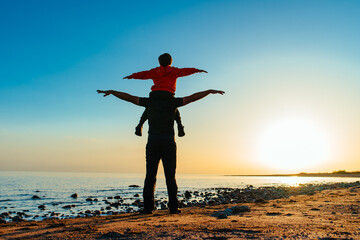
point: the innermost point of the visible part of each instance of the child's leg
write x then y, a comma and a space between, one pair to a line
143, 118
181, 132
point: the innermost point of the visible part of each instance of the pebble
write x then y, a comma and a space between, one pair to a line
134, 186
41, 207
273, 213
4, 215
187, 194
17, 219
35, 197
75, 195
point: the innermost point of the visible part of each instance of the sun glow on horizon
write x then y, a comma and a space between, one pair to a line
293, 144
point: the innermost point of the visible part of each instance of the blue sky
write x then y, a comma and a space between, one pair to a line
300, 56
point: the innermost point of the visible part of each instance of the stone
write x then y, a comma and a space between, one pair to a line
240, 209
187, 194
134, 186
17, 219
261, 200
75, 195
2, 220
41, 207
273, 213
66, 207
222, 216
5, 214
117, 197
89, 199
137, 195
35, 197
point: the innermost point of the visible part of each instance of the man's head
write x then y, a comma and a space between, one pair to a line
165, 60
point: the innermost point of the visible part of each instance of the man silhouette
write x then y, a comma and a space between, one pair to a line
161, 141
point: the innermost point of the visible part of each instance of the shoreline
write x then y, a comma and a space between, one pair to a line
325, 211
299, 175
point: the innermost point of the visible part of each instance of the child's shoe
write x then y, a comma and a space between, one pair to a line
181, 132
138, 130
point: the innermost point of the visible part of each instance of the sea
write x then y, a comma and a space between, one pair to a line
54, 190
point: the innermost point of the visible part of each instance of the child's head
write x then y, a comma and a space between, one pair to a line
165, 59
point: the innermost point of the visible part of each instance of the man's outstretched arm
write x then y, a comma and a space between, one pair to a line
199, 95
123, 96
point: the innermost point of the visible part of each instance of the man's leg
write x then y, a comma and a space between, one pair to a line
153, 155
169, 163
181, 131
138, 128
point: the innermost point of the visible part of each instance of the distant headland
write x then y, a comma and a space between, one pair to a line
339, 173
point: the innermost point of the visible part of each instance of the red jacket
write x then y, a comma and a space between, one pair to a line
164, 78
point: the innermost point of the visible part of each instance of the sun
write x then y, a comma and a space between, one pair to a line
293, 144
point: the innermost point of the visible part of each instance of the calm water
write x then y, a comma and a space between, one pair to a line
55, 189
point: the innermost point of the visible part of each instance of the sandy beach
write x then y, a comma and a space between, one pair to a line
327, 214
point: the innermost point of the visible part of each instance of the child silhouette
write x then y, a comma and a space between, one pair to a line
164, 78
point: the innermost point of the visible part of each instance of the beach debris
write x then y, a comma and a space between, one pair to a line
75, 195
35, 197
134, 186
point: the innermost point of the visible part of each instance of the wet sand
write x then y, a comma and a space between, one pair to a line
327, 214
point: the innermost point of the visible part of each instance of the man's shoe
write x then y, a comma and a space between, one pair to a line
175, 211
181, 132
138, 130
146, 211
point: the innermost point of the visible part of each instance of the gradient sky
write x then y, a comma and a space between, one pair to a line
274, 59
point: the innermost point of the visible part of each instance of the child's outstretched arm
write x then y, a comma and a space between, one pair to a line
142, 75
121, 95
182, 72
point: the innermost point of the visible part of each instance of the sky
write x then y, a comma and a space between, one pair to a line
289, 69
